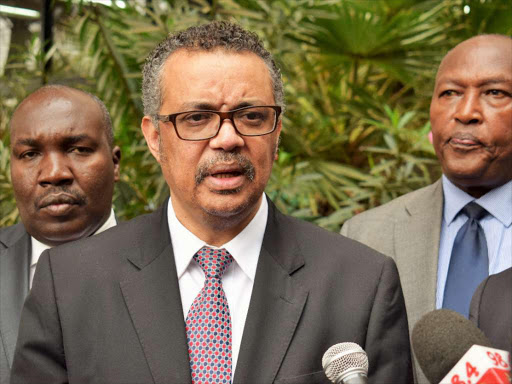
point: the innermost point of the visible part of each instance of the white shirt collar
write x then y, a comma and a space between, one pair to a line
244, 247
38, 247
497, 202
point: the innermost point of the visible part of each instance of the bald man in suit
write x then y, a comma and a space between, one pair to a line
471, 116
64, 166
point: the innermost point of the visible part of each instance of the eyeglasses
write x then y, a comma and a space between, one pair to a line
203, 125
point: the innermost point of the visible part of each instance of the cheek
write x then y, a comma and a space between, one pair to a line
265, 156
179, 165
96, 179
23, 183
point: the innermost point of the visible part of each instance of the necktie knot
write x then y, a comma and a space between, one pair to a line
213, 262
475, 211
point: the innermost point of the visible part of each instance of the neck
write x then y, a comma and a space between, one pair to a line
214, 228
476, 191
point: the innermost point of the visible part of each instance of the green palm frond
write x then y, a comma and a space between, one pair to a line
405, 44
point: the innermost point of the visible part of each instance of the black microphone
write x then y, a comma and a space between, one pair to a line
346, 363
440, 339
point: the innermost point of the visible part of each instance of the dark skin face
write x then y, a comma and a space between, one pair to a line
471, 114
63, 169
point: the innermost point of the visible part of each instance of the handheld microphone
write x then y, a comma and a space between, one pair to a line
346, 363
441, 339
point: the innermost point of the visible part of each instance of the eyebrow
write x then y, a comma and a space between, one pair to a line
494, 80
210, 107
69, 140
497, 80
27, 142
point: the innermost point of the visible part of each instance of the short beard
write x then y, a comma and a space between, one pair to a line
223, 219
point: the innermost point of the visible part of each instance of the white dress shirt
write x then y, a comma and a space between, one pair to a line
497, 228
38, 247
238, 279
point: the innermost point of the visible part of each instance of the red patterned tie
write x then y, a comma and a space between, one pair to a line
208, 322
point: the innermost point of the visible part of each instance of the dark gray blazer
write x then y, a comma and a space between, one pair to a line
408, 230
108, 310
491, 309
15, 252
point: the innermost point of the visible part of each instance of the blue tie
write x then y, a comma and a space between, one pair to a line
469, 263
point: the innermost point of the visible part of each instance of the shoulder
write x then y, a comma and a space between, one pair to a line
397, 208
499, 284
330, 251
10, 235
125, 237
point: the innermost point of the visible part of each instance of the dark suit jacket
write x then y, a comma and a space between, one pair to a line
15, 252
108, 309
491, 309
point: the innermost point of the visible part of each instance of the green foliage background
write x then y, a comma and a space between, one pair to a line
358, 78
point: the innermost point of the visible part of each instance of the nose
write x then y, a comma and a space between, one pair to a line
227, 138
54, 171
468, 109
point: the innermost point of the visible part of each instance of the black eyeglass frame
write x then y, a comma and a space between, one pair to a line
223, 116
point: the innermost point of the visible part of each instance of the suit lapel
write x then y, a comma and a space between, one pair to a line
417, 247
276, 306
14, 276
153, 299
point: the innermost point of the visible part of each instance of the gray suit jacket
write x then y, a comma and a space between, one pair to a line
108, 309
491, 309
407, 229
14, 280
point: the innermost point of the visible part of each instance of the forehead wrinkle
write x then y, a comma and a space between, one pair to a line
448, 80
223, 92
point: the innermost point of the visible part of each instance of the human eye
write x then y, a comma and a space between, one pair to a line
195, 118
448, 93
80, 150
28, 155
498, 93
253, 116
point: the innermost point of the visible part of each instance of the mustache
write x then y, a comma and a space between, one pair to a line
60, 195
245, 165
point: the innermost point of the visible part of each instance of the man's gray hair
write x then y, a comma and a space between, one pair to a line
217, 34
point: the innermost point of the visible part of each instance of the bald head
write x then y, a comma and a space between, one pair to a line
63, 165
475, 46
52, 91
471, 114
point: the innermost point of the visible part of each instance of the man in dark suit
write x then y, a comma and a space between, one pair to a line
491, 309
216, 284
63, 166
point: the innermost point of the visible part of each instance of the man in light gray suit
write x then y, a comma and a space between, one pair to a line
471, 117
63, 166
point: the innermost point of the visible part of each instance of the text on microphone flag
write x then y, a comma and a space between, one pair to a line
480, 365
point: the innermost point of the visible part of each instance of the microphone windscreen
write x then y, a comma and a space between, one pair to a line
440, 339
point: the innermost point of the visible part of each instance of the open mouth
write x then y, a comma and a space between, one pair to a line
225, 175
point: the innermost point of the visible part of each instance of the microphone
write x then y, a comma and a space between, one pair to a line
346, 363
441, 339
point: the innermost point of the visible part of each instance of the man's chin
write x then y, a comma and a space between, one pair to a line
230, 203
227, 191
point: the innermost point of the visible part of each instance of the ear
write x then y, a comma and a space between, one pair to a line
278, 138
152, 136
116, 158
